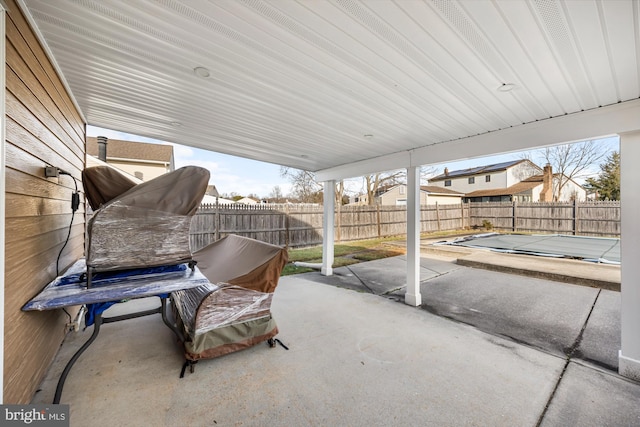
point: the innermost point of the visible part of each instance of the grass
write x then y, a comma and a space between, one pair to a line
348, 253
344, 254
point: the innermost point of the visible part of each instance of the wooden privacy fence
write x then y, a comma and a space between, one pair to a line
576, 218
301, 225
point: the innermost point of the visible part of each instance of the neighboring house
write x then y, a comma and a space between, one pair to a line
211, 200
94, 161
518, 180
538, 188
489, 177
429, 195
247, 201
143, 160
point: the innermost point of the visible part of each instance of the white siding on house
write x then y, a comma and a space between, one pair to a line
461, 184
520, 172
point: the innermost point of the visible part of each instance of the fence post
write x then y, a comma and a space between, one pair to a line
217, 236
378, 220
287, 239
339, 220
575, 217
437, 216
515, 215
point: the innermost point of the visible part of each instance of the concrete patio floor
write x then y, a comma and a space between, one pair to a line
487, 348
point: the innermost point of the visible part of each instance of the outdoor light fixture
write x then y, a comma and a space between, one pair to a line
202, 72
506, 87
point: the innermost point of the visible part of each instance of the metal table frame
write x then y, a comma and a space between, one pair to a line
98, 321
70, 290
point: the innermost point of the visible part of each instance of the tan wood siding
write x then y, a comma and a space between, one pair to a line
42, 128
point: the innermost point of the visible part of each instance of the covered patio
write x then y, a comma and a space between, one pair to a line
347, 88
361, 359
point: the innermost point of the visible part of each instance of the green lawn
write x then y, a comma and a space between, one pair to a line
354, 252
344, 254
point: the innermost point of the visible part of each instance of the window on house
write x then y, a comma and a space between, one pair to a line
487, 178
472, 180
447, 183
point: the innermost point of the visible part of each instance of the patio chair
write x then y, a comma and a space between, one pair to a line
147, 225
233, 312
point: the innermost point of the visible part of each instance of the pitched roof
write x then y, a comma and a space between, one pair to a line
426, 188
477, 170
518, 188
439, 190
132, 150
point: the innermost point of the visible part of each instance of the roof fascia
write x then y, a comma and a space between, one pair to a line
591, 124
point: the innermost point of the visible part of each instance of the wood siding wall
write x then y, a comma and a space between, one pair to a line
42, 128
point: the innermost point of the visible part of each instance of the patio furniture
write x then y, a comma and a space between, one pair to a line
233, 311
147, 225
111, 288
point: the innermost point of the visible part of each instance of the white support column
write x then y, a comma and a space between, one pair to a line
629, 355
328, 227
412, 295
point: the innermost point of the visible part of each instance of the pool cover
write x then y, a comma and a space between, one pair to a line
593, 249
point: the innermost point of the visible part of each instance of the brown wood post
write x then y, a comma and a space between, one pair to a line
438, 216
338, 220
515, 215
378, 220
287, 238
575, 217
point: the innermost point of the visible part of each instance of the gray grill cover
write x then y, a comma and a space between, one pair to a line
147, 225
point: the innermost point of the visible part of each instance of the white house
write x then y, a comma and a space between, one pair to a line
518, 180
489, 177
429, 195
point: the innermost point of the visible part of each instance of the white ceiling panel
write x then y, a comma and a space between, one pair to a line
300, 83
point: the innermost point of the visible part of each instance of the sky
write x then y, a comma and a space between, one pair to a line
232, 174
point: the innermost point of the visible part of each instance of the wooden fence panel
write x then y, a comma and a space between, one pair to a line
301, 225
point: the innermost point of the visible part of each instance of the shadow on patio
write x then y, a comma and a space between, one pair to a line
357, 358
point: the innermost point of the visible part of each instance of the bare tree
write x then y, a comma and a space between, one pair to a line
374, 183
305, 187
570, 161
276, 195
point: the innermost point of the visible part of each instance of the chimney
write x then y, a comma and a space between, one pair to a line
102, 148
446, 171
546, 195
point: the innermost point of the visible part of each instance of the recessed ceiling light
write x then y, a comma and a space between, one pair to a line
506, 87
202, 72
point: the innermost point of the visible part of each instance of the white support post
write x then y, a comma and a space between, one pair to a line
412, 296
629, 355
329, 204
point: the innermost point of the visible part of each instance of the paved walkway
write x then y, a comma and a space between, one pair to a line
487, 348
